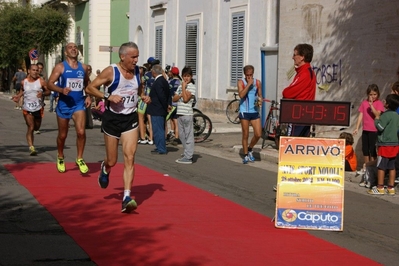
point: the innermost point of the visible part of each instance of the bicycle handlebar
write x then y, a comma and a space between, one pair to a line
271, 101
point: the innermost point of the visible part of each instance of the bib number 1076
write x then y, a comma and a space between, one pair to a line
75, 84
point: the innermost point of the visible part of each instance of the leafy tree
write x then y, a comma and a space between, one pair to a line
25, 27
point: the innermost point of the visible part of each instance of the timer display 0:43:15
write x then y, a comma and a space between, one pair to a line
315, 112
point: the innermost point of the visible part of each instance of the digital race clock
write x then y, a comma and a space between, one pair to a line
315, 112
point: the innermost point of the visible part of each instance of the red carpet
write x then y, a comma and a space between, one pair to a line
175, 223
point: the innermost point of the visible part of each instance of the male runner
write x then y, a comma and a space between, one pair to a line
32, 89
120, 120
72, 78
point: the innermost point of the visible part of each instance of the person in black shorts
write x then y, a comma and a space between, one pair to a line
120, 119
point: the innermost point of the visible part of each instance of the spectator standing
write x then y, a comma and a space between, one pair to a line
395, 90
144, 117
53, 100
387, 125
350, 155
158, 108
19, 76
92, 76
174, 83
185, 97
303, 86
366, 118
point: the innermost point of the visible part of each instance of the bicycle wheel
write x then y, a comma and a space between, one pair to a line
196, 111
232, 111
202, 127
269, 131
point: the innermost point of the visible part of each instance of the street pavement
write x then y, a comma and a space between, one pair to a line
28, 232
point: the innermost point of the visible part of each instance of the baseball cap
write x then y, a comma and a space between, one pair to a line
175, 71
152, 61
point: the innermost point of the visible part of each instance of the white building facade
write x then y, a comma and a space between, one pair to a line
215, 38
355, 44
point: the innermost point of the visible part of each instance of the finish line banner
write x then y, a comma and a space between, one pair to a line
310, 188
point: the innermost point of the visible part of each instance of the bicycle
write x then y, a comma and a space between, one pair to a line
202, 127
271, 129
233, 109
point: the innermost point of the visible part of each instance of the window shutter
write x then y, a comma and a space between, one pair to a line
158, 43
192, 46
237, 47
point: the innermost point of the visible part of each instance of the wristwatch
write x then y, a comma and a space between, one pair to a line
106, 96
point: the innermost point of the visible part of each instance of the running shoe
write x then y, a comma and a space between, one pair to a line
32, 151
60, 165
150, 142
376, 191
128, 205
274, 187
251, 156
103, 178
397, 179
36, 132
245, 160
82, 166
391, 191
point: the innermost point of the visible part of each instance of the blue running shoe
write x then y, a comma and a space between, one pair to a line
251, 156
128, 205
245, 160
103, 178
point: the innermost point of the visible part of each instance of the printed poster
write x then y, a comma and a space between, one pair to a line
310, 188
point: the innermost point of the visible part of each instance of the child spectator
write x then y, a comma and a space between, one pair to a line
366, 117
350, 155
395, 90
387, 125
184, 97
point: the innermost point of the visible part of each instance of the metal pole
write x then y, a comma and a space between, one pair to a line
110, 55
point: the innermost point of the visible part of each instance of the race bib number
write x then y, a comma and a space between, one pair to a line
129, 101
75, 84
33, 105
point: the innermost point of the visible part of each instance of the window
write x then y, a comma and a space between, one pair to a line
158, 43
192, 46
237, 47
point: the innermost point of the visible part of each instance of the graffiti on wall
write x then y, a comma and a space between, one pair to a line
328, 73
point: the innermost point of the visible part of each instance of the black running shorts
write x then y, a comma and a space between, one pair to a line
116, 124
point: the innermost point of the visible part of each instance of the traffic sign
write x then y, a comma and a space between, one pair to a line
33, 54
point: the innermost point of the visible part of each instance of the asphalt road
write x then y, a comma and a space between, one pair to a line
28, 233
